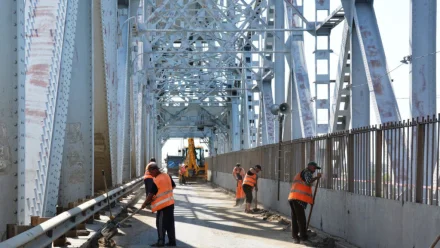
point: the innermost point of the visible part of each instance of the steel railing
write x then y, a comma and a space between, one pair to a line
398, 161
43, 234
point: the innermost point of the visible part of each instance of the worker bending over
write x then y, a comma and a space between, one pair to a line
238, 174
147, 177
182, 173
249, 183
162, 201
300, 195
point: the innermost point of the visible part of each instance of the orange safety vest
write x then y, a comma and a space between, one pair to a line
300, 190
250, 180
239, 193
164, 196
236, 171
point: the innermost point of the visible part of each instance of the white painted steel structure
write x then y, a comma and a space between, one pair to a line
91, 85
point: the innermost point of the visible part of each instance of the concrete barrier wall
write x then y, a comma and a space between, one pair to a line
361, 220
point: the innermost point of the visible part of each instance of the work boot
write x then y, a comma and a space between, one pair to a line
296, 240
170, 244
304, 238
158, 244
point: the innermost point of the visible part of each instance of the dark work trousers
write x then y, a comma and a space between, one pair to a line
248, 192
146, 187
183, 180
298, 220
165, 225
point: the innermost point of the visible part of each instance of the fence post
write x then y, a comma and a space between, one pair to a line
303, 157
378, 168
420, 159
329, 162
350, 162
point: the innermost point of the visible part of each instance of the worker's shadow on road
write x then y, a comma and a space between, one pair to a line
229, 220
136, 233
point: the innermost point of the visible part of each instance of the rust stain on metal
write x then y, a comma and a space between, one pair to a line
5, 150
377, 85
422, 74
365, 32
375, 63
39, 113
39, 71
372, 50
44, 11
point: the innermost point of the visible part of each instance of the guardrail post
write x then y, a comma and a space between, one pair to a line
329, 162
378, 166
350, 162
420, 160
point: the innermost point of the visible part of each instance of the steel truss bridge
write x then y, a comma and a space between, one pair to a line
99, 85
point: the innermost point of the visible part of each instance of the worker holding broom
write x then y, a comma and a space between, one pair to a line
301, 195
238, 174
249, 183
161, 198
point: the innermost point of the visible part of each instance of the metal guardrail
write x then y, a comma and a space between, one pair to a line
43, 234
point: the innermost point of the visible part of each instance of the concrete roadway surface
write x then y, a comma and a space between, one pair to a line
205, 217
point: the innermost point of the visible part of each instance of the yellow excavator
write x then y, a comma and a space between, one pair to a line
195, 160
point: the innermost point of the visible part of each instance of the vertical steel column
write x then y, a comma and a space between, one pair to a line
322, 100
279, 65
360, 93
109, 22
63, 118
22, 48
302, 117
100, 116
122, 95
46, 20
9, 110
235, 126
423, 48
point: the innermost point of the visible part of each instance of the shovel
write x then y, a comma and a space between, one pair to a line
111, 228
256, 202
311, 207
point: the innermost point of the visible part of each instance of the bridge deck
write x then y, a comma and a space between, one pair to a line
205, 218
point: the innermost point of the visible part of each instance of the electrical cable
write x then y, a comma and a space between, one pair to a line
397, 67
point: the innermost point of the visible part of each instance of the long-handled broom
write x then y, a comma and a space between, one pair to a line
311, 208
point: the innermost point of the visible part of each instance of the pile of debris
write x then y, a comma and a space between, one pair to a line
269, 216
103, 243
327, 243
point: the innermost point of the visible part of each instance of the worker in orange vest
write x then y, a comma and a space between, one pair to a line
238, 174
182, 174
161, 198
249, 183
147, 177
300, 195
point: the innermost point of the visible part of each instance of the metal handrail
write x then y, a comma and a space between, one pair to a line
48, 231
